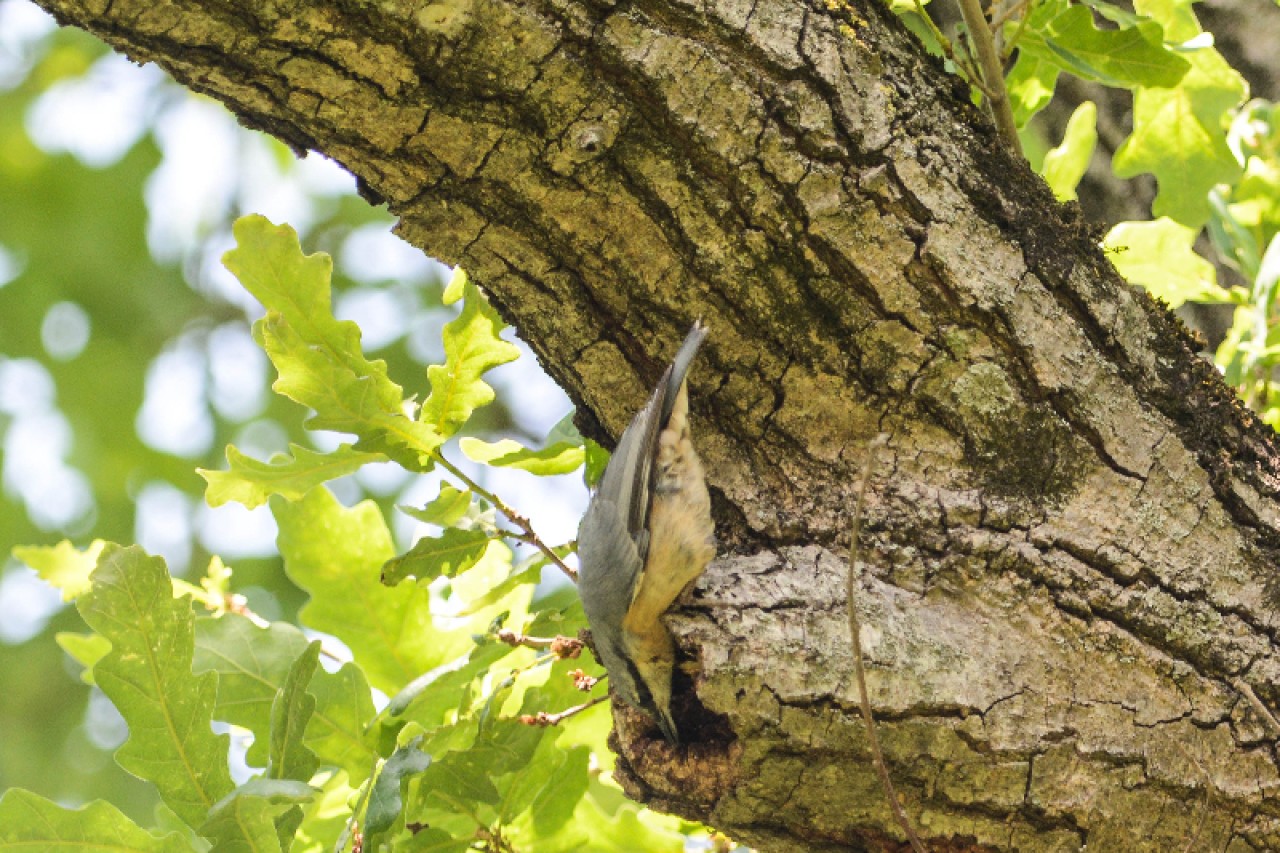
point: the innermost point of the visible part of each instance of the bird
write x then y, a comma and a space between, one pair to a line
646, 536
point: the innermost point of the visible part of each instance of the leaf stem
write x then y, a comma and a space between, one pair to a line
525, 528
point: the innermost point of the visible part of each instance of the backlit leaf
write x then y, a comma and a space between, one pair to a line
1065, 165
1178, 133
63, 566
453, 551
336, 554
250, 482
318, 358
253, 665
1158, 256
30, 823
147, 676
472, 347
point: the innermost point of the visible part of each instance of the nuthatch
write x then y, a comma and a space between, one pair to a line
646, 536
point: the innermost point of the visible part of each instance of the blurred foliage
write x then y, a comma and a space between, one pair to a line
475, 663
74, 239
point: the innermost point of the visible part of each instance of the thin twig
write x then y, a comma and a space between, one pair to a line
943, 43
1261, 710
561, 646
526, 529
992, 71
1007, 50
1009, 11
855, 638
543, 719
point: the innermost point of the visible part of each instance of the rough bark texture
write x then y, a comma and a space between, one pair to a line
1068, 561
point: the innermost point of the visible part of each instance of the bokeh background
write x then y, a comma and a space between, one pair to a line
126, 362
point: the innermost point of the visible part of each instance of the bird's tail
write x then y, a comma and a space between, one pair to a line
680, 368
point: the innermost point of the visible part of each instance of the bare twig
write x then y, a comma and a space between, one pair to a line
942, 40
543, 719
1261, 710
1008, 12
992, 71
525, 532
561, 646
855, 638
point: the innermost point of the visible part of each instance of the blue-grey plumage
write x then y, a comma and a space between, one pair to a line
646, 536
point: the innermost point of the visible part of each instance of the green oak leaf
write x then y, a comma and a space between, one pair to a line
253, 663
244, 821
29, 822
63, 566
326, 817
606, 821
250, 482
1158, 255
84, 649
318, 358
445, 510
1179, 132
335, 555
559, 458
1129, 56
386, 802
1065, 165
1030, 85
544, 796
147, 676
291, 712
1255, 200
1060, 36
472, 347
454, 551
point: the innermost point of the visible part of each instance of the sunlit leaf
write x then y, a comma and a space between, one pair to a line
1158, 256
448, 507
559, 458
318, 358
472, 347
453, 551
84, 649
1129, 56
147, 676
29, 822
63, 566
1030, 85
250, 482
1178, 133
244, 821
253, 664
336, 554
1065, 165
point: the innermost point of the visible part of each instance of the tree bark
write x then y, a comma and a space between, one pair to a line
1067, 585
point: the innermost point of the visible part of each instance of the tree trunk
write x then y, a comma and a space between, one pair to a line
1067, 559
